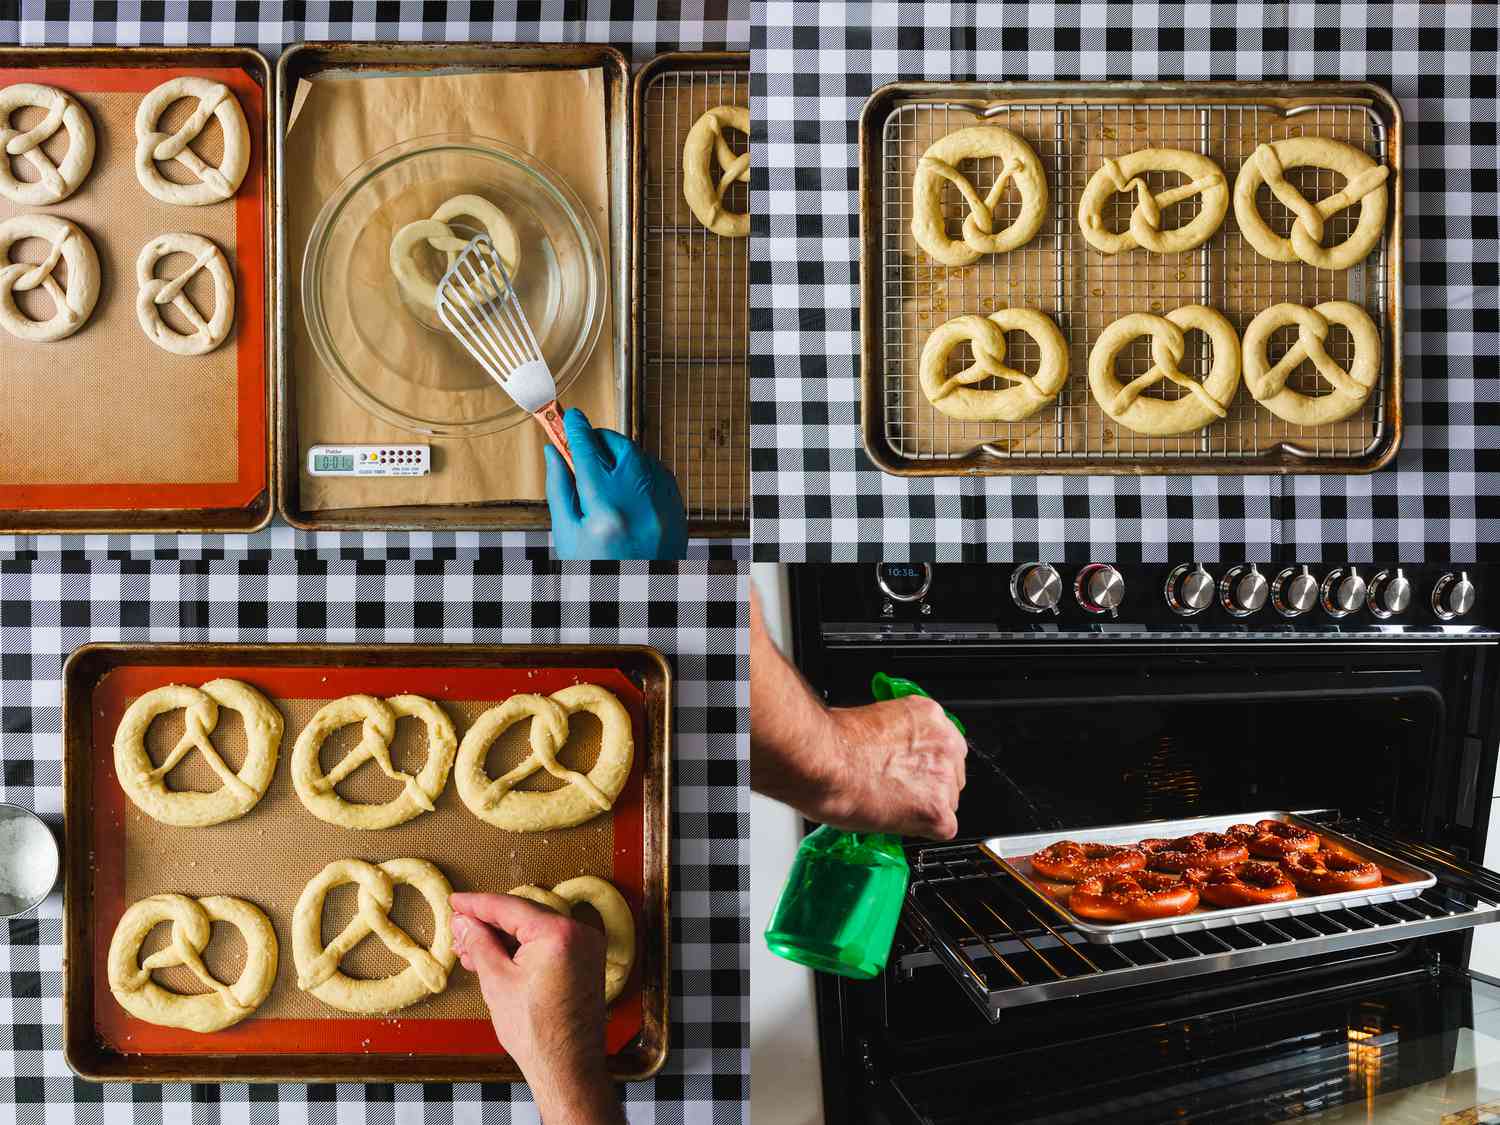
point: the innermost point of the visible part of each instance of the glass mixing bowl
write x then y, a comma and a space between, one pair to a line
395, 358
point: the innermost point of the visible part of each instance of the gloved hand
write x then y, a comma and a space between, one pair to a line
623, 503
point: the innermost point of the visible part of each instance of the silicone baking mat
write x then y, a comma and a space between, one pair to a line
104, 419
269, 855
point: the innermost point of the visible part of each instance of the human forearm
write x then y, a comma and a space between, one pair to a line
585, 1098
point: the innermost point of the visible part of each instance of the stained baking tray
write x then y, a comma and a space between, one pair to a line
307, 60
692, 297
1073, 126
113, 854
240, 506
1402, 880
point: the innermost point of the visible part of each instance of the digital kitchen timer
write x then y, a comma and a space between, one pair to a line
369, 460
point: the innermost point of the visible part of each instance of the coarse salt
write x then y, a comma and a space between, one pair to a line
26, 870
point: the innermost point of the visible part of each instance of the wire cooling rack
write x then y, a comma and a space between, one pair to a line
1084, 291
694, 291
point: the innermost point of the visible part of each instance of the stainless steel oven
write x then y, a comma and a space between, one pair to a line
1363, 697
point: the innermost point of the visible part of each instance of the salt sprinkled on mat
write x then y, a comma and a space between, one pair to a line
25, 873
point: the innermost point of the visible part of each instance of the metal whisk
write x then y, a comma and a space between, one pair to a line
478, 304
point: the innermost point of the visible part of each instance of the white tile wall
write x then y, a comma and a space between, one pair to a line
1486, 956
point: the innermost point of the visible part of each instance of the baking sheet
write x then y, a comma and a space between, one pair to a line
1401, 880
104, 421
1074, 128
270, 854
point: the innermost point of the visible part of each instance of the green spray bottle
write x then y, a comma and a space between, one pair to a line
841, 902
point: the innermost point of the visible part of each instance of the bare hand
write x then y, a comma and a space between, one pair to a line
542, 976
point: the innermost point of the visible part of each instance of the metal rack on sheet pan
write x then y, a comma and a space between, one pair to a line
692, 288
1007, 950
1073, 128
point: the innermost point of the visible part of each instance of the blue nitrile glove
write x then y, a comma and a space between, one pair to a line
623, 503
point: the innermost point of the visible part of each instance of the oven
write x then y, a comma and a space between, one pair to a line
1362, 697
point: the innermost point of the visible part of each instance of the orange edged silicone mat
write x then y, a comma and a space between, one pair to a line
116, 855
216, 460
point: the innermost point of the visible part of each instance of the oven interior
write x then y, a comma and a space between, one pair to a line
990, 1010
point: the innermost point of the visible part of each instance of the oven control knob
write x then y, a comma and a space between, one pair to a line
1190, 589
1100, 588
1036, 588
1343, 591
1242, 590
1453, 596
1294, 591
1389, 593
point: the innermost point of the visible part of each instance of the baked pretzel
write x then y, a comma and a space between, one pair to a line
1133, 896
1068, 861
1274, 839
1127, 173
55, 182
153, 292
1364, 184
956, 396
214, 183
940, 163
426, 971
1205, 401
72, 305
1202, 851
705, 143
614, 912
1349, 389
1324, 872
1250, 883
192, 928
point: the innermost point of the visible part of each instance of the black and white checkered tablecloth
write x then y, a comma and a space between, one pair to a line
52, 602
816, 494
641, 30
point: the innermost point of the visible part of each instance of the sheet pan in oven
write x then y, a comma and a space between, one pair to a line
1401, 879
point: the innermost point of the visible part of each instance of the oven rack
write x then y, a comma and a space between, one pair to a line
979, 922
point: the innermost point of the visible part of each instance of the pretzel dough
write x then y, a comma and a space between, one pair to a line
438, 233
72, 305
1350, 388
614, 912
955, 396
153, 291
426, 972
1364, 184
147, 785
56, 182
316, 790
192, 928
1128, 174
1205, 402
940, 162
214, 183
498, 802
705, 143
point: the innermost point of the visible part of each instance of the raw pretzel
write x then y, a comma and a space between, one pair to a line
56, 182
316, 790
705, 143
146, 785
1205, 401
940, 162
214, 183
207, 334
614, 912
72, 305
192, 928
1364, 184
955, 396
1128, 174
1350, 388
498, 802
426, 972
438, 233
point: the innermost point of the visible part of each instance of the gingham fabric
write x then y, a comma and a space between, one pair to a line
640, 30
816, 494
698, 616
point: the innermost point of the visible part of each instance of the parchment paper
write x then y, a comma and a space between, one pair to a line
337, 124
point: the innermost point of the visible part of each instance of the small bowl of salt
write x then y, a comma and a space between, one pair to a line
29, 860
